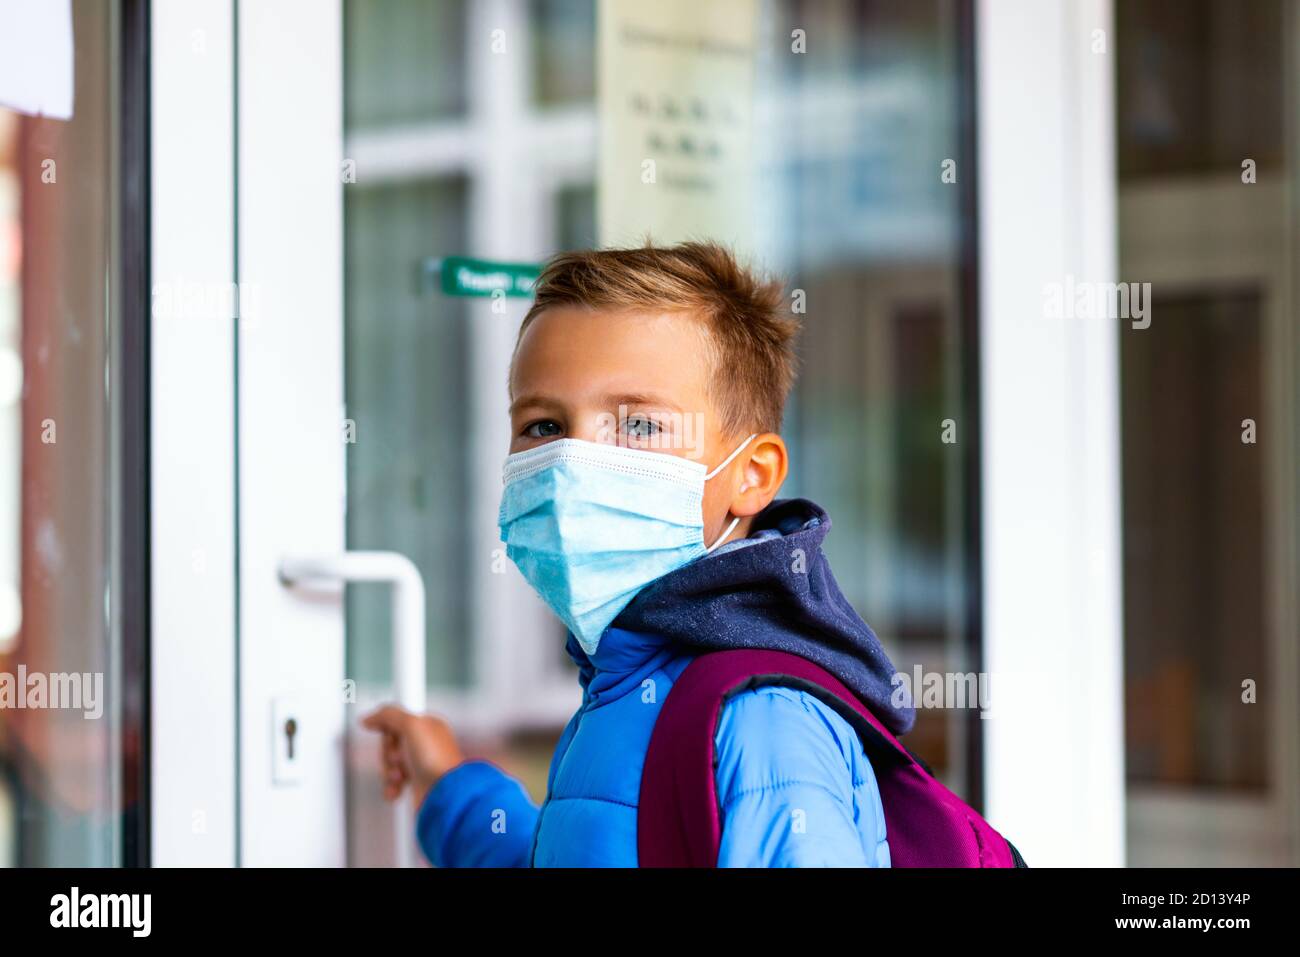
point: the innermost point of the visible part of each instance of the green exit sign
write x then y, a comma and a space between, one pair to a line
462, 276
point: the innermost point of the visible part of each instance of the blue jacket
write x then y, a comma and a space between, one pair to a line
795, 786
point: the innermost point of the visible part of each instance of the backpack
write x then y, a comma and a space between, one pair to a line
678, 818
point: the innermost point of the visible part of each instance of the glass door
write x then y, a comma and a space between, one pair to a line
73, 688
1208, 173
350, 404
475, 129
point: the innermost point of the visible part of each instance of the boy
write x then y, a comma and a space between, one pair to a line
647, 391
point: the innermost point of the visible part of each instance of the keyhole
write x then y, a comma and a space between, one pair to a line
290, 729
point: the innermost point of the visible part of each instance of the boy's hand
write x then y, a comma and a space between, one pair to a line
417, 750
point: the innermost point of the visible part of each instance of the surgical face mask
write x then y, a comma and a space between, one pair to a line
589, 525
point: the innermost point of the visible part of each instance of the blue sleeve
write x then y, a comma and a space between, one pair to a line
795, 786
476, 815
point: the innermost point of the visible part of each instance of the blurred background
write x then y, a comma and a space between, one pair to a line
459, 148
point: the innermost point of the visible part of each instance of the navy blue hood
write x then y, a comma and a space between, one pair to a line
774, 591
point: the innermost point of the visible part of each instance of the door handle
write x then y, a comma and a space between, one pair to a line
407, 596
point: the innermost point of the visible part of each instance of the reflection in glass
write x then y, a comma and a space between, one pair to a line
1209, 391
1194, 511
404, 61
564, 51
867, 228
854, 213
60, 800
406, 357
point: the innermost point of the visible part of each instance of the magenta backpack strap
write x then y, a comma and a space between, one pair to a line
678, 818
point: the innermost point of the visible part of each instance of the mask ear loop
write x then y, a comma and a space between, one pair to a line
728, 460
725, 462
723, 537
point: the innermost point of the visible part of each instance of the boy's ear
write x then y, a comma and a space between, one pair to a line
765, 463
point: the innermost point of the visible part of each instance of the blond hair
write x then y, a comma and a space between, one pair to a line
751, 331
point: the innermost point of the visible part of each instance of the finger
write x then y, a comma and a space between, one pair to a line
394, 786
394, 757
389, 718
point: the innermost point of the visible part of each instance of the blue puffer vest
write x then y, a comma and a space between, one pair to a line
782, 755
781, 752
596, 771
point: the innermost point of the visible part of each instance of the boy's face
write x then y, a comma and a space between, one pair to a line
632, 378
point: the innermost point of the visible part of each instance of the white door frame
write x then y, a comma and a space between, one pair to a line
291, 472
1053, 613
247, 222
192, 479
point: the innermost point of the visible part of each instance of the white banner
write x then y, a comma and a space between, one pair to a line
36, 57
676, 105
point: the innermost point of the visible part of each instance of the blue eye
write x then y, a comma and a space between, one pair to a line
544, 429
640, 427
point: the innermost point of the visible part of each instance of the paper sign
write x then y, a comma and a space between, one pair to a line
36, 57
676, 104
